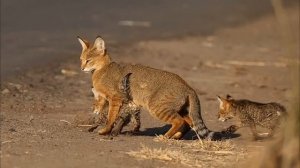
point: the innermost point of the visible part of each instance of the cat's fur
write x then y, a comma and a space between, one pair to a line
250, 113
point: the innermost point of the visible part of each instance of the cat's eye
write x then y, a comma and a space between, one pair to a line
88, 60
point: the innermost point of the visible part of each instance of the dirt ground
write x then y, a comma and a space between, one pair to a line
38, 106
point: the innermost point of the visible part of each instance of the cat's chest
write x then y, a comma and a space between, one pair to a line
98, 94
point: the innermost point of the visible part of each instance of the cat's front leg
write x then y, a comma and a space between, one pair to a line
115, 104
233, 128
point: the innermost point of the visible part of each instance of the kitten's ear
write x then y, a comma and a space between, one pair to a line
220, 99
84, 43
99, 44
228, 97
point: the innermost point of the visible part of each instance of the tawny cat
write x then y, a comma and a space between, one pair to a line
251, 114
165, 95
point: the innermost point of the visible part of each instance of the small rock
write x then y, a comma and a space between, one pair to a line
28, 98
68, 72
5, 91
59, 77
262, 86
194, 68
12, 130
31, 118
17, 86
207, 44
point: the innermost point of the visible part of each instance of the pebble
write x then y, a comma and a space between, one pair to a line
5, 91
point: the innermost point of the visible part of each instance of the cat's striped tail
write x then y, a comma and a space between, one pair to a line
198, 125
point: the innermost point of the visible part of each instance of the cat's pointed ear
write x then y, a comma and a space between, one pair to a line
220, 99
99, 44
85, 44
228, 97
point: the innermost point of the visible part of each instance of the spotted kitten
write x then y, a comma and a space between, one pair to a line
251, 114
129, 112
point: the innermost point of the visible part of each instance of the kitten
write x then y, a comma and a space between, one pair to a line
251, 114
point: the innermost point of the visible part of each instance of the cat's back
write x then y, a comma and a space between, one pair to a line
149, 85
155, 76
258, 110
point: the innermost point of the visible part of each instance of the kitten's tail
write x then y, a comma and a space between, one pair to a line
198, 125
282, 111
124, 86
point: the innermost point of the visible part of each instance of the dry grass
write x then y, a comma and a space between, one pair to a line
201, 153
200, 144
174, 156
216, 147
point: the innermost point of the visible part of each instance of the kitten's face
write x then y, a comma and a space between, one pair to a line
225, 111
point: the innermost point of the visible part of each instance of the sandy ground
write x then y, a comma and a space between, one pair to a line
246, 61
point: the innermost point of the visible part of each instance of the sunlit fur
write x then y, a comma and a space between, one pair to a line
225, 111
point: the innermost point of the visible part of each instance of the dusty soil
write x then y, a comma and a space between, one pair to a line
38, 106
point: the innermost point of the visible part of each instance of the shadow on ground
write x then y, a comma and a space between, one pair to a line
191, 135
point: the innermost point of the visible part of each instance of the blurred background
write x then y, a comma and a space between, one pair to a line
38, 32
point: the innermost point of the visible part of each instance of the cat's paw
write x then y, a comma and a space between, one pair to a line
115, 132
230, 130
104, 131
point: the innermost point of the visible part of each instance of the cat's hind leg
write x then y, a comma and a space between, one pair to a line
257, 136
178, 135
175, 120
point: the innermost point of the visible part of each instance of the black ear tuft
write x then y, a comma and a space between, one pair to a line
228, 97
98, 36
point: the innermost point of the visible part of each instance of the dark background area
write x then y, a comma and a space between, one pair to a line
38, 32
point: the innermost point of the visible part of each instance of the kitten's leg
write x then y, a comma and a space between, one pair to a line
99, 104
114, 108
257, 136
272, 126
120, 123
99, 101
267, 134
272, 129
136, 119
100, 109
233, 128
